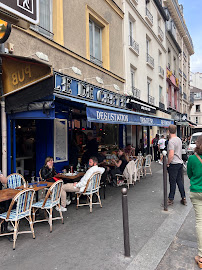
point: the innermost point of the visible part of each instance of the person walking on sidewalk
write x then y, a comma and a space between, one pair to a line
161, 145
155, 147
175, 165
194, 172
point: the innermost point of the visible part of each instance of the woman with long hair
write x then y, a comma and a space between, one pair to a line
194, 172
48, 171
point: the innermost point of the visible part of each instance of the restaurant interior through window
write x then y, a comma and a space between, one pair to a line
107, 135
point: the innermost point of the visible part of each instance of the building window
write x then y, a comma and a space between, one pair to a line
132, 72
197, 108
95, 35
45, 26
160, 94
131, 28
196, 119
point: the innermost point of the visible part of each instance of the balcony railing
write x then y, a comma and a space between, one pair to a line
161, 71
169, 66
160, 33
96, 61
149, 16
151, 100
135, 92
180, 72
134, 45
150, 60
185, 56
185, 96
192, 98
161, 105
184, 75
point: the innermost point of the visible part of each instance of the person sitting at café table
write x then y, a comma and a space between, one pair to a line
120, 165
48, 171
129, 150
80, 186
102, 156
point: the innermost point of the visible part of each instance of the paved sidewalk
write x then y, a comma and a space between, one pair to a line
95, 241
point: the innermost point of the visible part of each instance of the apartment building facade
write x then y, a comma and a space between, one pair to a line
179, 49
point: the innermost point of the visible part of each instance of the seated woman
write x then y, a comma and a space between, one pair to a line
120, 165
48, 171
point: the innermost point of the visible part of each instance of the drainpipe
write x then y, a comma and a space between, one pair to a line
3, 121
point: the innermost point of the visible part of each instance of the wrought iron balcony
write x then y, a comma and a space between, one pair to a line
135, 92
150, 60
160, 33
151, 100
184, 75
185, 56
169, 66
180, 87
96, 61
180, 72
185, 96
161, 105
161, 71
149, 16
134, 45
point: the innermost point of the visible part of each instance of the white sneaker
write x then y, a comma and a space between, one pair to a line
68, 202
160, 162
63, 209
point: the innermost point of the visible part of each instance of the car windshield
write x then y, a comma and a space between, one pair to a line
193, 139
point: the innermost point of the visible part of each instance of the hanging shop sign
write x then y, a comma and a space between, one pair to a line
5, 30
21, 72
113, 117
16, 10
139, 106
69, 86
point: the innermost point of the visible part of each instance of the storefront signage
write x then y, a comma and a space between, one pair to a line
27, 10
20, 72
69, 86
114, 117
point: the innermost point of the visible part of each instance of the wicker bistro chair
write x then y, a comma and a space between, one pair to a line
92, 187
148, 165
129, 174
140, 169
15, 180
51, 200
23, 204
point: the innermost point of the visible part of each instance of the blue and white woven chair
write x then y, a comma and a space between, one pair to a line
51, 200
15, 180
92, 187
147, 165
23, 204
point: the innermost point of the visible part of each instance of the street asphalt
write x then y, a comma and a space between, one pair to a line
158, 240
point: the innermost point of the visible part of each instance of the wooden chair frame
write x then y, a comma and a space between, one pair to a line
90, 193
15, 223
22, 178
148, 165
49, 209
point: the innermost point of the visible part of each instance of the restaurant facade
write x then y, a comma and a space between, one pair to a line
54, 114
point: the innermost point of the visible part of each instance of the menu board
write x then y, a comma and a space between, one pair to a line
60, 140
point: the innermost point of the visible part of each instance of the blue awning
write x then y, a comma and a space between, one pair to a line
112, 117
105, 114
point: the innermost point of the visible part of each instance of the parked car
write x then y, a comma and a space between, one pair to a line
192, 143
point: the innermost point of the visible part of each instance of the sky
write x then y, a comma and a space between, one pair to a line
193, 18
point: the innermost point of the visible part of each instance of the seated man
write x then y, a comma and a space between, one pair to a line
80, 186
102, 155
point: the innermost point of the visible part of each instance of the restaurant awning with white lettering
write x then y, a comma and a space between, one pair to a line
119, 117
99, 113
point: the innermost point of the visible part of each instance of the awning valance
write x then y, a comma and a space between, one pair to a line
111, 117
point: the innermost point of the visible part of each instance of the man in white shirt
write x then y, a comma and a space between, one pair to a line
161, 145
80, 186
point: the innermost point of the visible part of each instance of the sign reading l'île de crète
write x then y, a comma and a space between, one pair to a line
68, 86
27, 10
